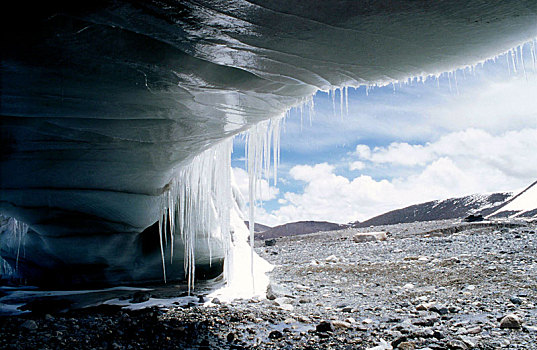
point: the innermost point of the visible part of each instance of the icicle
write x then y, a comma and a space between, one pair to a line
259, 144
533, 58
341, 103
513, 61
311, 110
333, 95
523, 65
456, 83
162, 247
347, 100
19, 230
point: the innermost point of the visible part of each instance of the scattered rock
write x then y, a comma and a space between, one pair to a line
456, 344
425, 321
530, 329
29, 325
473, 218
382, 346
341, 324
406, 346
369, 237
511, 321
270, 242
230, 337
441, 310
275, 334
270, 293
515, 300
140, 297
474, 330
425, 306
324, 326
332, 259
401, 339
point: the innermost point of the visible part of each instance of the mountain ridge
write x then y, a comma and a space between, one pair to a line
451, 208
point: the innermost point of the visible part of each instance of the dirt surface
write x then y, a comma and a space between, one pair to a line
435, 285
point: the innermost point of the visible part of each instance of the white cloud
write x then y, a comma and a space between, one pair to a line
363, 151
492, 106
357, 165
265, 192
513, 152
460, 163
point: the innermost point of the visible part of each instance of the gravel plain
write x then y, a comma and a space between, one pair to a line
430, 285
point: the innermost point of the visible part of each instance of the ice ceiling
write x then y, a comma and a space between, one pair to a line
102, 103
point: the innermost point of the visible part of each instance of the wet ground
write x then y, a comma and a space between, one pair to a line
436, 285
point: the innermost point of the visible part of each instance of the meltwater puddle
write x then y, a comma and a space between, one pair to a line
16, 300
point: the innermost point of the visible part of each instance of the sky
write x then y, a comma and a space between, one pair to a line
469, 131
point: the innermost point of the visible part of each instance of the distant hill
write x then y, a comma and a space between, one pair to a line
258, 227
523, 205
299, 228
453, 208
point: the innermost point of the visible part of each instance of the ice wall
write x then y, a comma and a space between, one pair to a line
103, 104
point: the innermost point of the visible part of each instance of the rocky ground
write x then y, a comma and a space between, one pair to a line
435, 285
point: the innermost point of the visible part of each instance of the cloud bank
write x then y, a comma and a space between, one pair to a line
457, 164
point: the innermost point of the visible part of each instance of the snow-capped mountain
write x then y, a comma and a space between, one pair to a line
476, 204
523, 205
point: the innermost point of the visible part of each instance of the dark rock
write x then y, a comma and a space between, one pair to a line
438, 335
29, 325
140, 297
441, 310
270, 293
324, 326
275, 334
398, 341
270, 242
473, 218
230, 337
511, 321
515, 300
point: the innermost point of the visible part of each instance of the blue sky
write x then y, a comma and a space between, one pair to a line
466, 132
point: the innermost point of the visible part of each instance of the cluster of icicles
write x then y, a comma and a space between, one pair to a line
199, 199
18, 231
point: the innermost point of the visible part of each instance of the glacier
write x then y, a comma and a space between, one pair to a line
116, 116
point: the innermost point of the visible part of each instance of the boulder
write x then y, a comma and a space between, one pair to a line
369, 237
511, 321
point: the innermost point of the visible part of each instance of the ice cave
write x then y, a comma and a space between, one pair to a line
117, 116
